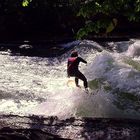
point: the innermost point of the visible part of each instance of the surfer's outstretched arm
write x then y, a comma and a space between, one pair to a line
82, 60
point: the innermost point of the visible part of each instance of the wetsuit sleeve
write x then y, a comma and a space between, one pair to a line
82, 60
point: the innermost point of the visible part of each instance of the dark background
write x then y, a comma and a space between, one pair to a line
50, 20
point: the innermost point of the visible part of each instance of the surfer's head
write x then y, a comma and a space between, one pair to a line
74, 54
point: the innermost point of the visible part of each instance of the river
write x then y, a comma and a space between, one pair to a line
39, 85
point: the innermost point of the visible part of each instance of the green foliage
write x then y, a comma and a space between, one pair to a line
101, 17
111, 26
96, 27
25, 3
106, 15
89, 9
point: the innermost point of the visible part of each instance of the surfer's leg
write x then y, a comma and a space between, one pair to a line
83, 78
76, 81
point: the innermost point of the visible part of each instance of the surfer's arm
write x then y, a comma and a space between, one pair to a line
82, 60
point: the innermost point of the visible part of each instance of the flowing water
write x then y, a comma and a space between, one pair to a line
39, 86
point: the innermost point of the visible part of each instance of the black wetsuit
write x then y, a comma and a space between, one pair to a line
72, 70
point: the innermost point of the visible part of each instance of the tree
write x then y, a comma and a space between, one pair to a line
102, 16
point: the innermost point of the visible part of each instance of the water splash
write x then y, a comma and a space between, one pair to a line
134, 49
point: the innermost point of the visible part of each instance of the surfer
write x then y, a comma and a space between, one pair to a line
73, 71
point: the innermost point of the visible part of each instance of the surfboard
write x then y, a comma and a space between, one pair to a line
71, 84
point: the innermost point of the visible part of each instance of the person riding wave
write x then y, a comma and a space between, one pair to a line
73, 71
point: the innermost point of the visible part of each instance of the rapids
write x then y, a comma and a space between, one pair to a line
38, 86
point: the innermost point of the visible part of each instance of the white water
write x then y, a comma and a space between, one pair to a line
33, 85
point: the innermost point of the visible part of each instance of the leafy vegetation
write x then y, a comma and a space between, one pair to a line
26, 3
102, 17
83, 17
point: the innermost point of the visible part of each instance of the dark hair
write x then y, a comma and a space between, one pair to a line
74, 54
